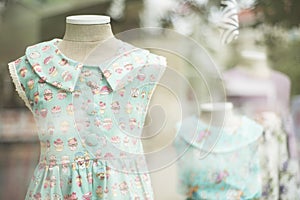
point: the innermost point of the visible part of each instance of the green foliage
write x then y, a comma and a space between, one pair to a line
283, 53
280, 12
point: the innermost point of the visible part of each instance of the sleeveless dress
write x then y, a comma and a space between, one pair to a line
89, 121
226, 162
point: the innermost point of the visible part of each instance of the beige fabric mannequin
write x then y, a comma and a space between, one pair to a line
83, 35
219, 115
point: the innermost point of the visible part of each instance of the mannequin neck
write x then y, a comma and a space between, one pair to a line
219, 117
256, 63
87, 32
80, 39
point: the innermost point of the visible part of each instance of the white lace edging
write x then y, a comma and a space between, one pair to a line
16, 81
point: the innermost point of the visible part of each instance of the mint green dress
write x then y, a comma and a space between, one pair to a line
89, 121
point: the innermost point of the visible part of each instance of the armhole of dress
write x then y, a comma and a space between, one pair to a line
163, 63
17, 83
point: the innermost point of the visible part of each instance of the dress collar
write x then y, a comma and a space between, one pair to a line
62, 72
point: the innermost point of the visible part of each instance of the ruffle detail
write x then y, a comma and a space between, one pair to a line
17, 83
89, 180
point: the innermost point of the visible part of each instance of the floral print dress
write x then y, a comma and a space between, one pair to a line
219, 163
280, 172
89, 121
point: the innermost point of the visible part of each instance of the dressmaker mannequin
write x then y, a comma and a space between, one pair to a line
255, 62
219, 114
83, 33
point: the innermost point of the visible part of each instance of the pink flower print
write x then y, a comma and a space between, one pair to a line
48, 95
203, 134
79, 66
119, 70
221, 176
115, 139
106, 73
63, 62
50, 129
46, 48
37, 67
62, 94
72, 196
70, 109
23, 71
44, 112
143, 94
36, 97
47, 60
90, 177
138, 182
52, 181
106, 190
57, 51
107, 123
115, 106
98, 154
18, 61
134, 141
99, 191
66, 75
46, 182
102, 106
123, 155
56, 110
52, 71
122, 125
79, 158
65, 160
137, 198
87, 196
37, 196
97, 122
129, 79
114, 189
145, 177
30, 84
126, 140
123, 188
121, 92
108, 156
128, 67
147, 196
132, 123
48, 145
141, 77
77, 93
101, 173
103, 141
152, 77
72, 143
58, 144
34, 55
105, 90
57, 84
52, 161
134, 92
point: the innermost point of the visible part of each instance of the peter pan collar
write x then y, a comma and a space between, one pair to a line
62, 72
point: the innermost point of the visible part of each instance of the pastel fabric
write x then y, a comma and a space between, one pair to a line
225, 161
280, 172
89, 121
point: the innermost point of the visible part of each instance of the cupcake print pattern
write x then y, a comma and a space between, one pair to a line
89, 120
